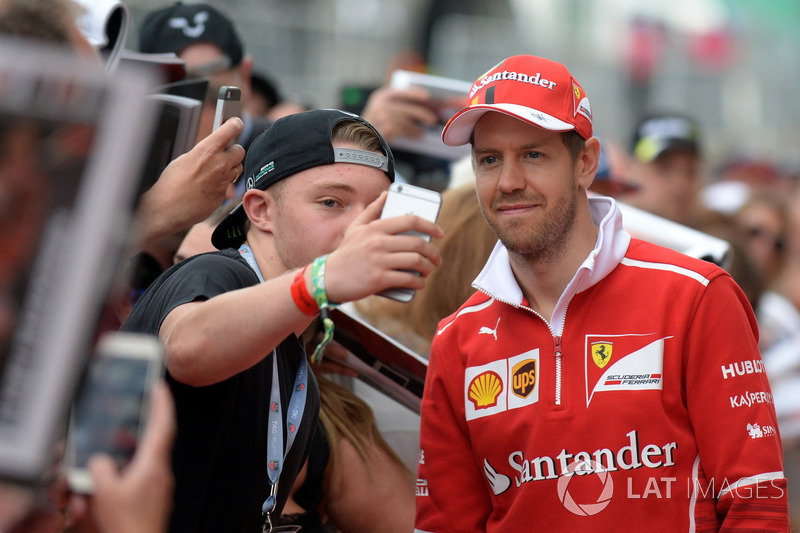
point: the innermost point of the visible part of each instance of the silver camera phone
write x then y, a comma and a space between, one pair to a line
229, 104
112, 406
405, 199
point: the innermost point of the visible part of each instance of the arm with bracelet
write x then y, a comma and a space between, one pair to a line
307, 236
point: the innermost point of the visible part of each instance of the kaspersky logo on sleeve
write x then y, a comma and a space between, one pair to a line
501, 385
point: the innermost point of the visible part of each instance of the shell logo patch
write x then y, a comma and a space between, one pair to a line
484, 390
601, 353
501, 385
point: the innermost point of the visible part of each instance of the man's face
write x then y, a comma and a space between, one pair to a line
196, 241
668, 185
314, 208
763, 226
526, 184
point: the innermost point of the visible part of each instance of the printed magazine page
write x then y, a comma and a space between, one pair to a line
449, 96
71, 150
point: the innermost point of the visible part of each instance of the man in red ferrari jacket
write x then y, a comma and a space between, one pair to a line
594, 382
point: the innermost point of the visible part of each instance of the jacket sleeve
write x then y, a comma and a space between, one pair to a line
452, 494
731, 408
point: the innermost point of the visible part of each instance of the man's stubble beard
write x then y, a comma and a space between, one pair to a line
545, 241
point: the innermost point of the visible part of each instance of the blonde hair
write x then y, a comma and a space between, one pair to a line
342, 414
358, 133
44, 20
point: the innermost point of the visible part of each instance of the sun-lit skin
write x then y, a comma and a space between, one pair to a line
324, 202
533, 195
527, 185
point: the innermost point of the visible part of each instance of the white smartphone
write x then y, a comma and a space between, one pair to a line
229, 104
111, 409
405, 199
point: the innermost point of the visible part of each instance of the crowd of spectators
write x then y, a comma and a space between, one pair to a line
753, 204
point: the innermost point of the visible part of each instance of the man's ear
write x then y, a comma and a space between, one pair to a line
586, 166
260, 208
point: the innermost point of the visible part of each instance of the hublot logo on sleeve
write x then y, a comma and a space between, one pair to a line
752, 366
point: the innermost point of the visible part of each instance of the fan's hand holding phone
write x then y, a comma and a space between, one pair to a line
111, 409
229, 104
405, 199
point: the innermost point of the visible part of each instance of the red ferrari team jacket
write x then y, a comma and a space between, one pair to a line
641, 406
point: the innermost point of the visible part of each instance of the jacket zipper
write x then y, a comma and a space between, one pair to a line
556, 339
558, 353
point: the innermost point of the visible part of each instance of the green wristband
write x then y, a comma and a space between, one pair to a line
321, 297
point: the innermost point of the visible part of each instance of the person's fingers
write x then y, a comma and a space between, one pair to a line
417, 94
415, 113
103, 470
78, 507
222, 137
410, 94
394, 111
15, 503
372, 212
417, 263
235, 153
59, 492
401, 224
237, 172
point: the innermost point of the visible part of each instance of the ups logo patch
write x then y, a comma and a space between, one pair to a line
523, 376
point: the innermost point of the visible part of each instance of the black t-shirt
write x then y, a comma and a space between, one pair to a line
310, 494
220, 453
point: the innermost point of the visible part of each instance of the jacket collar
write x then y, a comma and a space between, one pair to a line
498, 281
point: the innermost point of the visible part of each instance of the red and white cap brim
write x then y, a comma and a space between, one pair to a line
458, 129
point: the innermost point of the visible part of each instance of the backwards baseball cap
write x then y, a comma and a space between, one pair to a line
173, 28
290, 145
657, 134
533, 89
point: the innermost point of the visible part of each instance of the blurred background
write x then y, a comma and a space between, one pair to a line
731, 64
